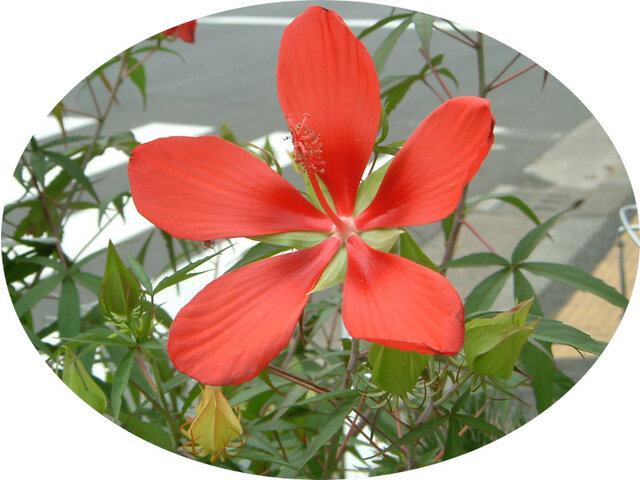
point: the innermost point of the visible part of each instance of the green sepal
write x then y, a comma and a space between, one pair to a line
382, 239
76, 377
368, 189
395, 371
492, 345
334, 273
297, 240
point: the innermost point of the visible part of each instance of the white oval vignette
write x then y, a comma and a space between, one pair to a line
51, 46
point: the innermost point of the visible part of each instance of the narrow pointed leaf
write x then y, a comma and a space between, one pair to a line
554, 331
485, 293
69, 309
381, 55
481, 259
76, 377
120, 381
183, 273
507, 198
330, 427
258, 252
530, 241
37, 293
522, 290
577, 278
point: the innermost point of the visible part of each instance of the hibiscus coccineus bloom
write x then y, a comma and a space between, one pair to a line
186, 31
206, 188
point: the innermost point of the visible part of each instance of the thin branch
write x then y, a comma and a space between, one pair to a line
508, 79
431, 87
502, 72
427, 57
478, 236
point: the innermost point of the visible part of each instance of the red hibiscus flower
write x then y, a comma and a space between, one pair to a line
186, 32
206, 188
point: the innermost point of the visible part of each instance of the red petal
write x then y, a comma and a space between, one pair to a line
425, 180
326, 73
397, 303
239, 322
207, 188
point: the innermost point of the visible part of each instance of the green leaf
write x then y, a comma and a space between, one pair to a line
522, 289
74, 171
139, 271
258, 252
419, 432
424, 28
481, 259
540, 366
147, 431
382, 23
410, 250
486, 292
576, 278
453, 444
138, 77
36, 293
90, 281
330, 427
69, 309
76, 377
297, 240
183, 273
381, 55
531, 240
507, 198
479, 424
554, 331
120, 381
369, 188
394, 95
395, 371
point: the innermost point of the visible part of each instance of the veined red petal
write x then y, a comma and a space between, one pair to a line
206, 188
326, 75
425, 180
397, 303
239, 322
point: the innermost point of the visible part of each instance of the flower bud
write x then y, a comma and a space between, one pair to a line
215, 426
121, 298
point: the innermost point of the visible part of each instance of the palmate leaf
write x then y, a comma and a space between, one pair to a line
481, 259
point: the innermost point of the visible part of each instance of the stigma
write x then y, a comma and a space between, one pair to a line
307, 148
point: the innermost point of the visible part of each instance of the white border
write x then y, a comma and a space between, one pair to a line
49, 46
